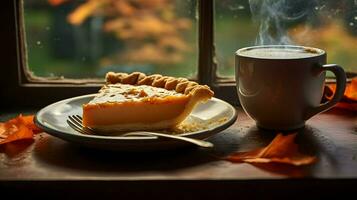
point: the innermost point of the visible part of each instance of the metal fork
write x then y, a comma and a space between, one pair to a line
75, 122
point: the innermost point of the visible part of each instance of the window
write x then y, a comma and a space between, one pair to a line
86, 39
54, 41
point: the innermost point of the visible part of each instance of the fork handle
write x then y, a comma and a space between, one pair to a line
198, 142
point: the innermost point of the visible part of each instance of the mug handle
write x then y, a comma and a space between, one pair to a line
340, 90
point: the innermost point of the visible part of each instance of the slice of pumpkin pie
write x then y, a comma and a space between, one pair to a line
139, 102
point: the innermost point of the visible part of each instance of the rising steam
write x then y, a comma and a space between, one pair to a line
275, 17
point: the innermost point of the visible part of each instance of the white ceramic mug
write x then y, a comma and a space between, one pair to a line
281, 86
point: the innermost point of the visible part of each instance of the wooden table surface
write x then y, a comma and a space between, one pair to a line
50, 165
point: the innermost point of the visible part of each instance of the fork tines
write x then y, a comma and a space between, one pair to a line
75, 121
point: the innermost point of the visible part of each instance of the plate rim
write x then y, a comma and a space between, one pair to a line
60, 134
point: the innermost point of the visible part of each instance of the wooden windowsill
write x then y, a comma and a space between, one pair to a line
51, 165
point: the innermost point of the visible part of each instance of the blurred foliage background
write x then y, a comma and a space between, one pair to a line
87, 38
327, 24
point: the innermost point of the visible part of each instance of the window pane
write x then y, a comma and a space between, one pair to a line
327, 24
87, 38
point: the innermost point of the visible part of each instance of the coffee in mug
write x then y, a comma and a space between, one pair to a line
281, 86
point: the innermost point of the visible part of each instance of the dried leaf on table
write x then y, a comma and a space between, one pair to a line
27, 121
282, 149
19, 133
19, 128
349, 99
350, 91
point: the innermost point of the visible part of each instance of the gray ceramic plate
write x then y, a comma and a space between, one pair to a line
213, 116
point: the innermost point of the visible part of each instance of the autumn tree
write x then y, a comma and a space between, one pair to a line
150, 30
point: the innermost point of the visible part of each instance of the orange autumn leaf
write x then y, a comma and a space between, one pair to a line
19, 128
21, 133
349, 99
282, 149
56, 2
84, 11
350, 91
27, 121
124, 7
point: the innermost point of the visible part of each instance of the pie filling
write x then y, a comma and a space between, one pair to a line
123, 107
